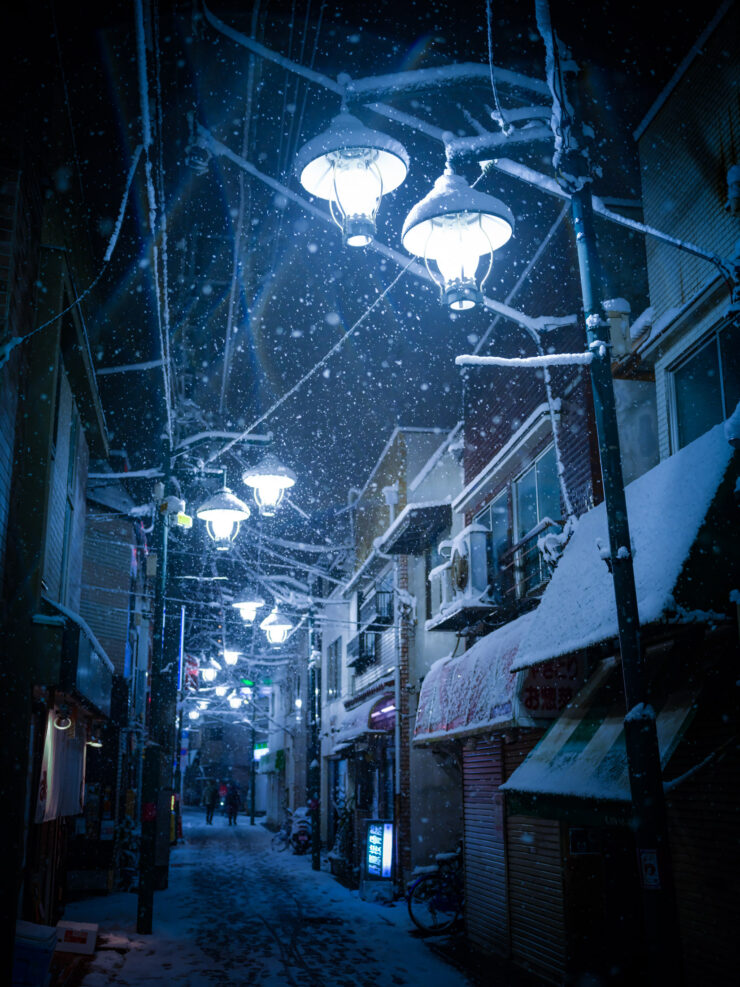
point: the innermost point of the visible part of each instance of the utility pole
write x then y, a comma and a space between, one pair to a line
649, 823
649, 819
160, 736
313, 774
252, 770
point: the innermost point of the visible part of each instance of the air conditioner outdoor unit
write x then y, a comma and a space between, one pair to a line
469, 564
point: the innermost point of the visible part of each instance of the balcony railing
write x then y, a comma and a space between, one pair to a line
377, 609
362, 651
524, 573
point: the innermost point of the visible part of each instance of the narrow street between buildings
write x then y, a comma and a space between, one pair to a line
238, 912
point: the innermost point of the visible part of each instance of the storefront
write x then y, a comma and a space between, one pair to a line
496, 717
361, 776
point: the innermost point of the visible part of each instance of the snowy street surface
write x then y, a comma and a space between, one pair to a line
237, 912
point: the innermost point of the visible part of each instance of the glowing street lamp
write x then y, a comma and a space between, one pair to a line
455, 226
248, 607
269, 480
231, 657
235, 701
223, 513
221, 690
194, 714
209, 674
353, 167
276, 627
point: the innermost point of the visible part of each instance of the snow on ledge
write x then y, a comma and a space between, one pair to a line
666, 507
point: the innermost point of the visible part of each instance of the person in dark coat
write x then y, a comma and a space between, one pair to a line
232, 802
210, 800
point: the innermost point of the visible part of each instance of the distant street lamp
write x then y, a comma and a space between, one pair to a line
235, 701
276, 627
353, 167
223, 513
209, 674
269, 480
248, 607
455, 226
221, 690
194, 714
231, 657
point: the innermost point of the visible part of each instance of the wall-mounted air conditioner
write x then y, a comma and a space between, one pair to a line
460, 582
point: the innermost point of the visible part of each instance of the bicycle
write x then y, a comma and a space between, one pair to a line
436, 898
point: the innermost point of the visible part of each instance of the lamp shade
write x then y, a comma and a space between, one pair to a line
248, 606
223, 513
353, 167
454, 226
276, 627
269, 479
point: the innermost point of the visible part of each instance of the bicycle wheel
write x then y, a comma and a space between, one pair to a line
279, 842
434, 904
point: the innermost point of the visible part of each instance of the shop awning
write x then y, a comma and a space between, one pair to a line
476, 692
361, 720
416, 528
666, 507
583, 755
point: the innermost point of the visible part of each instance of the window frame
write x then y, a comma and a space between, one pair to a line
679, 363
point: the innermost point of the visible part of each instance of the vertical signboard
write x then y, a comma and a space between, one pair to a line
378, 862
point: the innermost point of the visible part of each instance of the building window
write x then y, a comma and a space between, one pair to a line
706, 386
516, 517
333, 669
536, 498
497, 518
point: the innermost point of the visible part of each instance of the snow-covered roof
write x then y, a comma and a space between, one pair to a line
666, 507
584, 754
475, 692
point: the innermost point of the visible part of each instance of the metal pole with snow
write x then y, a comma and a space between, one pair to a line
649, 819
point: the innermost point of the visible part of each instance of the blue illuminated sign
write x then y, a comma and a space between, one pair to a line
379, 850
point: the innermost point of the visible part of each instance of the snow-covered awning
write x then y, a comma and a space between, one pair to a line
583, 755
361, 720
415, 528
476, 692
666, 507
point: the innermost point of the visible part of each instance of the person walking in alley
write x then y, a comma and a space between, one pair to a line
210, 800
232, 802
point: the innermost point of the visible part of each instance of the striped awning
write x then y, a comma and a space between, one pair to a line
583, 755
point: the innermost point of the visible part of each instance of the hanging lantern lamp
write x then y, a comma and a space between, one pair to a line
353, 167
453, 227
248, 607
223, 513
269, 479
276, 627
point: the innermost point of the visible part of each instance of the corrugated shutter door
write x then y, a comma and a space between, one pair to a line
536, 896
535, 882
485, 867
704, 821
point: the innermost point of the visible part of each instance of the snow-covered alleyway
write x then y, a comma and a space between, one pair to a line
237, 912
